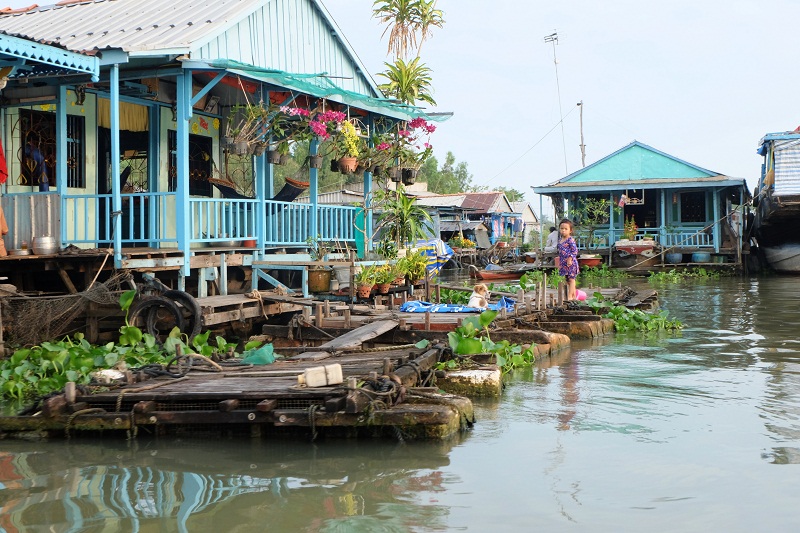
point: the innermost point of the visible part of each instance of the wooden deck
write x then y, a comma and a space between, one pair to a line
384, 393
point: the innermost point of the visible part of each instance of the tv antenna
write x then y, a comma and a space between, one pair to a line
553, 38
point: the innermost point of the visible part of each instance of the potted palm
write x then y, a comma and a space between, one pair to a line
384, 276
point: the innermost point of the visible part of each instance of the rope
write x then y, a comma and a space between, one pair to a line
78, 413
145, 388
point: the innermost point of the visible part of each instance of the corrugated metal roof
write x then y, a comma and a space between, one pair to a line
448, 200
462, 225
127, 24
487, 202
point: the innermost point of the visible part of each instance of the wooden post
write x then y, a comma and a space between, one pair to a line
560, 293
427, 286
327, 308
427, 321
306, 314
438, 294
347, 318
387, 366
318, 315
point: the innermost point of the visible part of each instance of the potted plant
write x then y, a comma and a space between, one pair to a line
365, 280
401, 218
415, 264
384, 276
629, 229
319, 277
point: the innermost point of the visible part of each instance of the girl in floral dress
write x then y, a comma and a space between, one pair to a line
568, 257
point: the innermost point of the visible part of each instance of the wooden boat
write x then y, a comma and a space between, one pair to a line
777, 202
497, 274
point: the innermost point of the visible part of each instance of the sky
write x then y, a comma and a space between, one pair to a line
701, 80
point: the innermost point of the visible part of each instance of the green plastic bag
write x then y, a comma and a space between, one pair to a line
259, 356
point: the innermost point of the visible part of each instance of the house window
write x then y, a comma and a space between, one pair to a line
38, 155
200, 164
693, 206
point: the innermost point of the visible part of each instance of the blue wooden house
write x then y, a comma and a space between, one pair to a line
687, 209
115, 113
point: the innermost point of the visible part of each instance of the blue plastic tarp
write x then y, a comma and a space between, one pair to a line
417, 306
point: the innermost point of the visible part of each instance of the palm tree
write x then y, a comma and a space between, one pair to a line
402, 20
408, 82
402, 218
405, 19
429, 17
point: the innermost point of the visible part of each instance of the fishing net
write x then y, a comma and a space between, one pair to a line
31, 320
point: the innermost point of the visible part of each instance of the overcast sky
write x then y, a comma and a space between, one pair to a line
702, 80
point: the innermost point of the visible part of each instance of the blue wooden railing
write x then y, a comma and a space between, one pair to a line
683, 237
149, 218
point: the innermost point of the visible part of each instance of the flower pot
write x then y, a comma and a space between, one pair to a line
701, 257
315, 161
273, 157
240, 147
284, 159
334, 165
347, 165
395, 174
409, 176
249, 243
673, 258
590, 262
364, 290
227, 141
319, 280
383, 288
259, 149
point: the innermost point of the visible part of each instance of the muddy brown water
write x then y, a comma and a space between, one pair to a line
698, 431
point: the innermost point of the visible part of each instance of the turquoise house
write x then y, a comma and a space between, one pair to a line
686, 208
114, 123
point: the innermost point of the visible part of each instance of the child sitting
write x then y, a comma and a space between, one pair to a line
479, 297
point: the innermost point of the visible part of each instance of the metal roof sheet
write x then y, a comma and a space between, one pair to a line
129, 25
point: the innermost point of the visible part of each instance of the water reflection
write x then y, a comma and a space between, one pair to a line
179, 486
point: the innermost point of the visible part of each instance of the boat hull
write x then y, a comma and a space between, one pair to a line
783, 258
493, 275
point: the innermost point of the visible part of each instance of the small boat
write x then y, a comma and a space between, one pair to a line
497, 273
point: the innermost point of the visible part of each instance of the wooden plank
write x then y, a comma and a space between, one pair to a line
355, 338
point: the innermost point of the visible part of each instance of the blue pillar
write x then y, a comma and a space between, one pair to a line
610, 238
662, 231
153, 165
717, 234
183, 224
116, 198
262, 169
61, 142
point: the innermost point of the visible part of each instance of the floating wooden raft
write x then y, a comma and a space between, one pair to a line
268, 398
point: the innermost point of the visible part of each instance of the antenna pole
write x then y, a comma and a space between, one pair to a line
583, 146
553, 38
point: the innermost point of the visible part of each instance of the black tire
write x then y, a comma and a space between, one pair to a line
191, 311
151, 315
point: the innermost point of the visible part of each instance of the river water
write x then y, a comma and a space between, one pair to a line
696, 431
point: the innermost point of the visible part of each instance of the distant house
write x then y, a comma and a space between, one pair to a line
685, 207
529, 219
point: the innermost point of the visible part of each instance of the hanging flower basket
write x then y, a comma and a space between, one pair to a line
315, 161
395, 174
258, 149
274, 157
241, 147
347, 165
334, 165
409, 176
284, 159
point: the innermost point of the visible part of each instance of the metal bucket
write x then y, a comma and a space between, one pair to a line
44, 245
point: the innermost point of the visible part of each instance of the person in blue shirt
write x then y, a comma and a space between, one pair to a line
34, 166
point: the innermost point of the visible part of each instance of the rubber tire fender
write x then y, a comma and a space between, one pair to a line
190, 304
147, 308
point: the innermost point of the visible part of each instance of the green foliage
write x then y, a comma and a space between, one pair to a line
452, 296
602, 274
402, 220
677, 276
408, 81
626, 319
472, 338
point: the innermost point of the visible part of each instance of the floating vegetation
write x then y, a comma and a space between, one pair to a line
626, 319
472, 338
601, 274
677, 276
